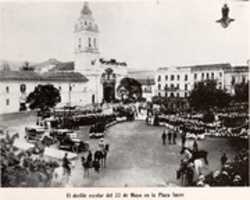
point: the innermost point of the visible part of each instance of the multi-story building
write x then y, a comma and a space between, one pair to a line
173, 81
179, 81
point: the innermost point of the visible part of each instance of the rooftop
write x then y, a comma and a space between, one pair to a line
216, 66
7, 75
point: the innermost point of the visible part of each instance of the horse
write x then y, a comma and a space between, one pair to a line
59, 176
11, 139
185, 173
87, 165
201, 154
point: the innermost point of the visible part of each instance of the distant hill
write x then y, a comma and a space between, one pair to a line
46, 65
13, 65
38, 66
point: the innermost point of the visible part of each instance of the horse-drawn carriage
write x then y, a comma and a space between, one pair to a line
68, 140
97, 130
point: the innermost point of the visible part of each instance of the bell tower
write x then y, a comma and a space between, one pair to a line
86, 41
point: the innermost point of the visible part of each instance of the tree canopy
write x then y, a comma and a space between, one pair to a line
130, 88
206, 95
43, 97
241, 92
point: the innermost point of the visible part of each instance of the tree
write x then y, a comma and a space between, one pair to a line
43, 97
131, 88
205, 95
241, 92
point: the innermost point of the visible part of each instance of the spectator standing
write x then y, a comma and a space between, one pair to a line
174, 136
223, 159
66, 164
163, 137
169, 137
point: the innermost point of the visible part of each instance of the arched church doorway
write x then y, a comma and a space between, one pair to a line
108, 80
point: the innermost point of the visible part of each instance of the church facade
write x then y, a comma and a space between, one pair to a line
103, 75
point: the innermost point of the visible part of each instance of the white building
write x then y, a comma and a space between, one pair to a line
179, 81
103, 75
16, 85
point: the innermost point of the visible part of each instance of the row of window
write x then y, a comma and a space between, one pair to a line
172, 86
172, 77
233, 81
91, 43
22, 88
172, 94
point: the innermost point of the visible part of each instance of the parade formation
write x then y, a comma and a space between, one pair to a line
96, 122
32, 166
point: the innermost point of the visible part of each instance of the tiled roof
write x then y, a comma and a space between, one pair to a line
49, 76
64, 76
7, 75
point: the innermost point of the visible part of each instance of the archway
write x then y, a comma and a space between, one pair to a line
108, 80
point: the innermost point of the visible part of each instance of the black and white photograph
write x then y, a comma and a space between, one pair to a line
148, 93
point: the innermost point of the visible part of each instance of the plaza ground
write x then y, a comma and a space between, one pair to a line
137, 156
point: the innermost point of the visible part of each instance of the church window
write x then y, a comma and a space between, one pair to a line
89, 42
7, 89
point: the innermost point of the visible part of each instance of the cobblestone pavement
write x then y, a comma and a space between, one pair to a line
136, 158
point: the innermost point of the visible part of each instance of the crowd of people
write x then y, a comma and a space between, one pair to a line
232, 173
195, 127
24, 168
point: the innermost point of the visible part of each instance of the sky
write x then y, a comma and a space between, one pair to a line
145, 34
